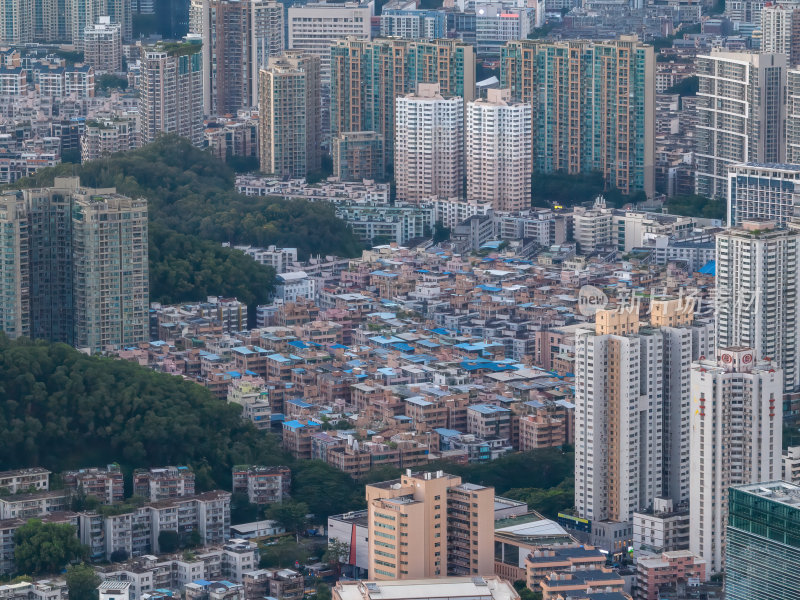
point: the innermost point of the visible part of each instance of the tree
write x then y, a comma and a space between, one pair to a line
53, 397
82, 582
284, 553
168, 541
440, 233
689, 86
336, 554
46, 547
109, 81
697, 206
119, 556
322, 591
194, 540
525, 593
242, 510
290, 514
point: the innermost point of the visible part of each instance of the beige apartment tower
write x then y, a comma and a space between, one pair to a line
289, 115
102, 46
171, 92
429, 525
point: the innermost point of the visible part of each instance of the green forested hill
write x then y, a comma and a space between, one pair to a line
61, 409
194, 208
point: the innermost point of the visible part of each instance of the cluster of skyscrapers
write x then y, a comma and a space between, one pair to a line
684, 409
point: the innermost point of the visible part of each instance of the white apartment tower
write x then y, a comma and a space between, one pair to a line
313, 28
793, 116
740, 110
757, 305
81, 14
736, 418
171, 92
780, 30
429, 145
498, 152
239, 37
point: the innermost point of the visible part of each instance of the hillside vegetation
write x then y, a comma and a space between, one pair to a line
193, 209
61, 409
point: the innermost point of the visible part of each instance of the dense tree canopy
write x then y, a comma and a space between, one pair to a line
82, 582
568, 190
41, 548
688, 86
697, 206
53, 399
194, 208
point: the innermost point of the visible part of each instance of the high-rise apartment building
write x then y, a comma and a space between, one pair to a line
757, 304
763, 542
102, 46
593, 106
736, 417
767, 192
780, 30
631, 405
740, 110
429, 525
413, 23
363, 99
289, 115
498, 152
79, 273
15, 294
16, 21
313, 27
59, 21
81, 14
170, 92
745, 11
792, 108
429, 145
239, 37
358, 155
618, 418
111, 284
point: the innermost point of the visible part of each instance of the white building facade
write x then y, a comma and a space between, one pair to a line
736, 429
498, 152
429, 145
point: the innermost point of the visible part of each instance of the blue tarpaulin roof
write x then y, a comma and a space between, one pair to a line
710, 268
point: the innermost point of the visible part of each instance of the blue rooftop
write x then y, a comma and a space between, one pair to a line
300, 403
488, 409
710, 268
